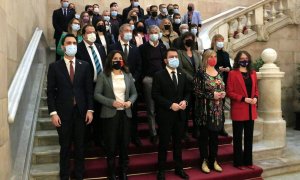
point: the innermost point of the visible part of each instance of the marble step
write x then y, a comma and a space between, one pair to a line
45, 138
44, 172
43, 101
43, 112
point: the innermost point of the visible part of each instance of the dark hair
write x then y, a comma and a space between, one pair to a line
185, 35
68, 35
84, 28
168, 50
112, 4
237, 58
108, 64
153, 6
95, 25
176, 14
87, 6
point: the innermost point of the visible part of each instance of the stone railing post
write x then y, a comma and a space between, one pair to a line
269, 106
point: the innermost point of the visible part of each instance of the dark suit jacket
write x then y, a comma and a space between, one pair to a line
108, 38
60, 22
134, 60
61, 91
83, 54
126, 11
186, 65
164, 94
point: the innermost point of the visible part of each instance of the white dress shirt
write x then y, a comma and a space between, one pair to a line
92, 58
123, 46
119, 87
170, 73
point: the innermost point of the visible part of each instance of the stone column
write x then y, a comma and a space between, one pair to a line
269, 104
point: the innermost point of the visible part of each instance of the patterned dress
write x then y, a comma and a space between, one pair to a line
208, 111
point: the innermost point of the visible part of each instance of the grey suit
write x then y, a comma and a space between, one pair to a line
116, 123
104, 94
186, 65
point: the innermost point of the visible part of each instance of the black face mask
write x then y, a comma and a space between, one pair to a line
190, 8
101, 28
153, 14
140, 29
167, 27
116, 65
171, 11
189, 42
90, 12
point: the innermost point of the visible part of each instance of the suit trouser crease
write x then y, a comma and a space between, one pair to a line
72, 130
147, 86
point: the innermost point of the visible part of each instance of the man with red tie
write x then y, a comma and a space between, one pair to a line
70, 104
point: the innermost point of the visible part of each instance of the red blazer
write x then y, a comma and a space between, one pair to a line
236, 90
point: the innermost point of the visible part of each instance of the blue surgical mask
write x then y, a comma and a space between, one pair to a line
114, 13
136, 4
164, 10
176, 11
75, 27
173, 62
71, 50
177, 21
106, 18
65, 5
127, 36
132, 27
220, 44
194, 31
154, 37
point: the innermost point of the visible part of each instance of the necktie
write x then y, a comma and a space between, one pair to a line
174, 78
71, 71
126, 50
66, 12
96, 60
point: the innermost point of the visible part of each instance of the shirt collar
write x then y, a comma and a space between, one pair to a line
87, 44
122, 42
170, 70
152, 44
67, 61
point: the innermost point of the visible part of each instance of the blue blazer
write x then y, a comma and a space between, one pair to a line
196, 18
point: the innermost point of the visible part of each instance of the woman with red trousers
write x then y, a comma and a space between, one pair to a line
243, 92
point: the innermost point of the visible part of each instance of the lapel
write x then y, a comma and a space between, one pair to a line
253, 84
180, 79
84, 48
196, 56
119, 46
64, 70
127, 83
187, 57
78, 69
170, 81
241, 81
109, 79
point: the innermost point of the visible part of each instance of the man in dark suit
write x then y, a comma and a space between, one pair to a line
95, 55
133, 4
60, 19
133, 60
70, 104
170, 92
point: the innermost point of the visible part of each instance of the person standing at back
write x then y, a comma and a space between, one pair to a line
60, 20
192, 16
70, 104
133, 3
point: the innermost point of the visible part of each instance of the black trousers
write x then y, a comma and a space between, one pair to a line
72, 130
94, 131
208, 144
116, 136
241, 158
168, 127
190, 114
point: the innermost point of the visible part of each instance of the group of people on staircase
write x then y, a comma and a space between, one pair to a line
108, 64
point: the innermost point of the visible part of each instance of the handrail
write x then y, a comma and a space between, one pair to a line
17, 86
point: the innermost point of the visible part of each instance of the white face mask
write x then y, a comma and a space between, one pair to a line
91, 37
96, 10
107, 27
184, 31
220, 44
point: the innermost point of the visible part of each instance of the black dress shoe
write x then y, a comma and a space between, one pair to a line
112, 177
161, 175
181, 173
123, 176
223, 133
154, 140
137, 142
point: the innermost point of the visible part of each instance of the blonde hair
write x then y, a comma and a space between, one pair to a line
214, 40
207, 54
162, 27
